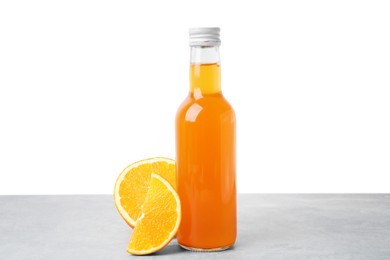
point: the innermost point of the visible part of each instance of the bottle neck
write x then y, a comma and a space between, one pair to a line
205, 72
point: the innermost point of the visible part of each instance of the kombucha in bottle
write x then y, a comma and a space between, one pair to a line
205, 152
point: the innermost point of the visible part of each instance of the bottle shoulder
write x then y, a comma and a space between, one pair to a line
207, 107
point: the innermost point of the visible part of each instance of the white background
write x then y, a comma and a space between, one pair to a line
87, 87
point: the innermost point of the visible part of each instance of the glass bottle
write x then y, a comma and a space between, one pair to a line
205, 152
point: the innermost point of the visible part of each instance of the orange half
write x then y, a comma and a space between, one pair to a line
133, 184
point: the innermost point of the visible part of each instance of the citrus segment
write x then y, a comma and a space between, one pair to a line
133, 184
160, 219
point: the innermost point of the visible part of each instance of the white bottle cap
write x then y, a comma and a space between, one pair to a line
204, 36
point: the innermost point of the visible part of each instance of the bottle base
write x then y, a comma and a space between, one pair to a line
217, 249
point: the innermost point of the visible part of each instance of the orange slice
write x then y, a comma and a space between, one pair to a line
160, 219
133, 184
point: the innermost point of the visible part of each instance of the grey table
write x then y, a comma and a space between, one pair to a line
270, 226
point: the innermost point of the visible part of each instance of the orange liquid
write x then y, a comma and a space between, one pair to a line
205, 159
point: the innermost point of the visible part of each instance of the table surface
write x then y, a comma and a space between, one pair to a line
270, 226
